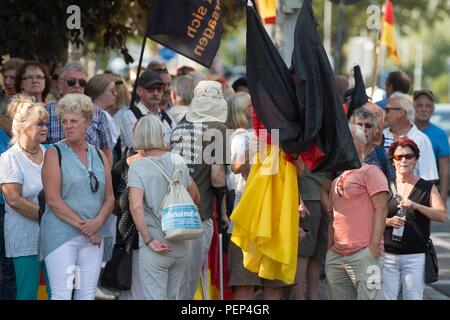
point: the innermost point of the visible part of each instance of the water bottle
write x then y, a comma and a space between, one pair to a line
397, 233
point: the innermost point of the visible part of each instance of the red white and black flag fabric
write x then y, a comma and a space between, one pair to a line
193, 28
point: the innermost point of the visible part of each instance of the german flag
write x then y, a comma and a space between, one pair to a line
388, 32
267, 10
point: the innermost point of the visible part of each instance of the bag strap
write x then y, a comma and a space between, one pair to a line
410, 221
58, 150
162, 170
137, 113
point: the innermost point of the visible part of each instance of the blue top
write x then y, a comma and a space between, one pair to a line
439, 140
4, 145
76, 192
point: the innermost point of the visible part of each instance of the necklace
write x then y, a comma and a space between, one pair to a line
29, 152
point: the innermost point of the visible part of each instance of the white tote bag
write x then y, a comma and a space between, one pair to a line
180, 219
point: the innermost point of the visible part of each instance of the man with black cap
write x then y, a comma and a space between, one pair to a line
150, 88
424, 105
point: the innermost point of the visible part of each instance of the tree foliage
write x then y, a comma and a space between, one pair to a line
33, 29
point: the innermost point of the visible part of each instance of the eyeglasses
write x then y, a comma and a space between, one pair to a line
161, 70
365, 125
93, 181
408, 156
36, 77
71, 82
389, 109
42, 124
154, 88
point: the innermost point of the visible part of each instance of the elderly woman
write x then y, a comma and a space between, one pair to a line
404, 258
78, 189
162, 263
32, 80
353, 264
20, 177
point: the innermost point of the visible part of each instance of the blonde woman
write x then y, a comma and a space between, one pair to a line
20, 176
80, 199
162, 263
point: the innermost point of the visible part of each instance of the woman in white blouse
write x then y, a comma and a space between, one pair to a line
20, 176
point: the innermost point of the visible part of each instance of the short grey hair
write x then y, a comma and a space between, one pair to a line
76, 102
148, 134
404, 102
72, 66
358, 133
184, 86
364, 114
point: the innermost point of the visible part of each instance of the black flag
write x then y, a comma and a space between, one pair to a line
193, 28
306, 110
318, 99
359, 96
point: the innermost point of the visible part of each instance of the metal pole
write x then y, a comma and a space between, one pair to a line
339, 39
418, 66
221, 265
133, 95
328, 7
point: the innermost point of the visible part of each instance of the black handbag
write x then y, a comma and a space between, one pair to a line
118, 270
431, 261
431, 264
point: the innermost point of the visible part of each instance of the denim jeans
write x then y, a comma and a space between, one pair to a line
7, 275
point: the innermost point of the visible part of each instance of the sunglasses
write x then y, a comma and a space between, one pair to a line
365, 125
71, 82
161, 70
408, 156
93, 181
389, 109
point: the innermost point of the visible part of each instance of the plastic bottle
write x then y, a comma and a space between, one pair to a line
397, 233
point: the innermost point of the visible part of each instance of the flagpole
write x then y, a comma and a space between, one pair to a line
133, 95
377, 54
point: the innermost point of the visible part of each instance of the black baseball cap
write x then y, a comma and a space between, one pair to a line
149, 78
424, 92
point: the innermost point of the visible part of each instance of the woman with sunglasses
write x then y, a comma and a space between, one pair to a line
80, 199
20, 176
404, 258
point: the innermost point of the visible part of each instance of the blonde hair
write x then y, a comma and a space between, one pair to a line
98, 85
76, 102
123, 95
237, 110
24, 113
148, 134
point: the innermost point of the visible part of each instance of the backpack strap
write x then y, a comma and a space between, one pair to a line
160, 169
166, 117
137, 113
58, 150
99, 154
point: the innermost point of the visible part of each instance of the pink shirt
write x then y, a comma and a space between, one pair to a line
353, 212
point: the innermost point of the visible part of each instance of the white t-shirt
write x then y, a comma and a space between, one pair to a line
21, 233
113, 128
426, 164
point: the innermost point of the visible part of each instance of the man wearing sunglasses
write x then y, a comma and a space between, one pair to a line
374, 154
424, 105
73, 79
400, 117
150, 87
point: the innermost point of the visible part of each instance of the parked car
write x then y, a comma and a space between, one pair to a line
441, 117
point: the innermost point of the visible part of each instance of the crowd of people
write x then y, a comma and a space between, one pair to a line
102, 167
